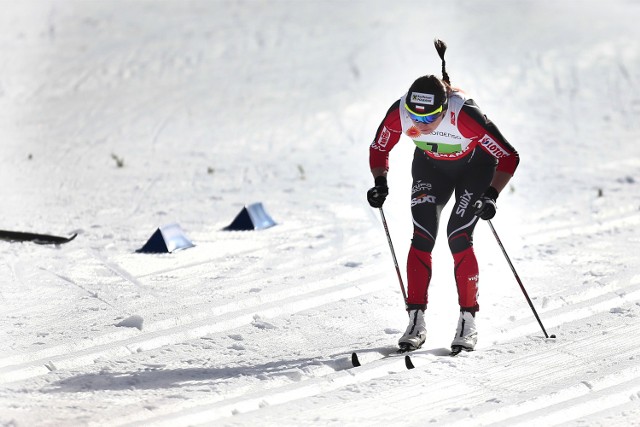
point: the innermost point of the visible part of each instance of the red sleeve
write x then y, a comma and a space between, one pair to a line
476, 126
387, 136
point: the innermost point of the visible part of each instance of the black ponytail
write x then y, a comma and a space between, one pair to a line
441, 47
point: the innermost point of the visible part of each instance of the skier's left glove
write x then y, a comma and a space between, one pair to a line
486, 204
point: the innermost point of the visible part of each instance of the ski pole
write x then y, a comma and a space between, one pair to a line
524, 291
393, 255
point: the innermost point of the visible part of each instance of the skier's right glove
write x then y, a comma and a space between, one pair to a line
377, 195
486, 205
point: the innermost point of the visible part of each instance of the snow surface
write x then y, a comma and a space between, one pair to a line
118, 117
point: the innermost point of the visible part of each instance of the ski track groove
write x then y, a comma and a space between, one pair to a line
557, 363
584, 403
255, 401
559, 232
564, 363
577, 310
197, 324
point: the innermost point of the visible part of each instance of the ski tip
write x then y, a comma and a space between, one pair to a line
354, 360
408, 362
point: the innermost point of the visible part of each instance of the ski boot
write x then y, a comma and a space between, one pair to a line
416, 332
466, 333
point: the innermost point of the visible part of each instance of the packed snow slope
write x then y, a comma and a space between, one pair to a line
118, 117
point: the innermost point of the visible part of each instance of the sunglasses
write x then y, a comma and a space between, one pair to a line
424, 118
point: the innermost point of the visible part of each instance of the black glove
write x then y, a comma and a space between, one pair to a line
486, 204
377, 195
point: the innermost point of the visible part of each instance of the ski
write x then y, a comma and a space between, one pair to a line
385, 353
407, 351
41, 239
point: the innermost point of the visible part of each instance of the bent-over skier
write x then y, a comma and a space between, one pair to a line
459, 152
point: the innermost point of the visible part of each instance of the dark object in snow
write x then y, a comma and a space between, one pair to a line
168, 238
252, 217
41, 239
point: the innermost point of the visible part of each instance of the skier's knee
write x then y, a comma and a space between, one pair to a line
460, 242
422, 242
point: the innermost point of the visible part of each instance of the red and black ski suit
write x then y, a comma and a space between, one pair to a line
460, 156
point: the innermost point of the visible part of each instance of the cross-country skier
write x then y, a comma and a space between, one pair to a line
458, 151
